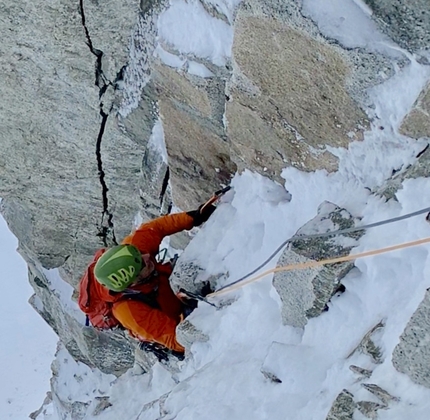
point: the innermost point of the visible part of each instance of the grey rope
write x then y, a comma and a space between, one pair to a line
325, 234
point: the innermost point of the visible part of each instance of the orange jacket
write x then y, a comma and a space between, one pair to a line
143, 321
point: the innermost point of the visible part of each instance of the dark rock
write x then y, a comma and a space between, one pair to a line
412, 355
367, 346
380, 393
407, 22
361, 371
370, 409
305, 293
343, 407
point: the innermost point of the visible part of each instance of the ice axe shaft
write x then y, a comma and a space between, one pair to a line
215, 197
196, 296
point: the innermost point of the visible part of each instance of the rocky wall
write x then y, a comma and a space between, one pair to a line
407, 22
83, 90
84, 87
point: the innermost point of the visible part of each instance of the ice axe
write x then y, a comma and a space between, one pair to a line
216, 196
193, 296
196, 296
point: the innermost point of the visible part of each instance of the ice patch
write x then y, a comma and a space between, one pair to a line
188, 28
348, 22
156, 141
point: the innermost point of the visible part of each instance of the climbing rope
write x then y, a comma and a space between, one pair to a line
312, 264
241, 281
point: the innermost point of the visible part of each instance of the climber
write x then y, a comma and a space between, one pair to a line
135, 286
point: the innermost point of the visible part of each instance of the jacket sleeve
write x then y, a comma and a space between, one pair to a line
148, 236
147, 324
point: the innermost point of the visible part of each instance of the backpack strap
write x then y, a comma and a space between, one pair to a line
149, 299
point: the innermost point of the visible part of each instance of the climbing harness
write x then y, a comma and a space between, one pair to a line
241, 281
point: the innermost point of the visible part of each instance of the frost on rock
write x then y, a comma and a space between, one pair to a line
380, 393
187, 334
412, 355
367, 344
361, 372
111, 351
370, 409
305, 293
343, 407
421, 168
406, 22
186, 275
137, 72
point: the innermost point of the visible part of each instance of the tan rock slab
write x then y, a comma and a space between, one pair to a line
294, 102
417, 123
199, 160
172, 85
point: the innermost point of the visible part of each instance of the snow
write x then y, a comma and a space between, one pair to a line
189, 28
28, 343
396, 96
312, 363
156, 141
168, 58
64, 292
384, 150
174, 61
348, 22
223, 377
199, 69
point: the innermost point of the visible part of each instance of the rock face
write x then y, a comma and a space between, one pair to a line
199, 155
407, 22
277, 95
65, 164
343, 407
99, 129
412, 355
368, 347
79, 117
110, 351
305, 293
421, 168
417, 123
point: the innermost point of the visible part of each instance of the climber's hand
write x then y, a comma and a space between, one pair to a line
202, 214
182, 296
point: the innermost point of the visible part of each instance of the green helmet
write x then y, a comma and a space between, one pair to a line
118, 267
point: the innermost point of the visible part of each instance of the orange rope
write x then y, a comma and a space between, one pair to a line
311, 264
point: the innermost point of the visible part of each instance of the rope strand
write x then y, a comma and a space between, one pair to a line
325, 234
312, 264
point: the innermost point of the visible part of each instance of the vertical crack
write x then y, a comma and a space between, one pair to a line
101, 81
106, 228
164, 186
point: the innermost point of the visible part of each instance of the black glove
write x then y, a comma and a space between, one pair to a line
160, 351
202, 214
